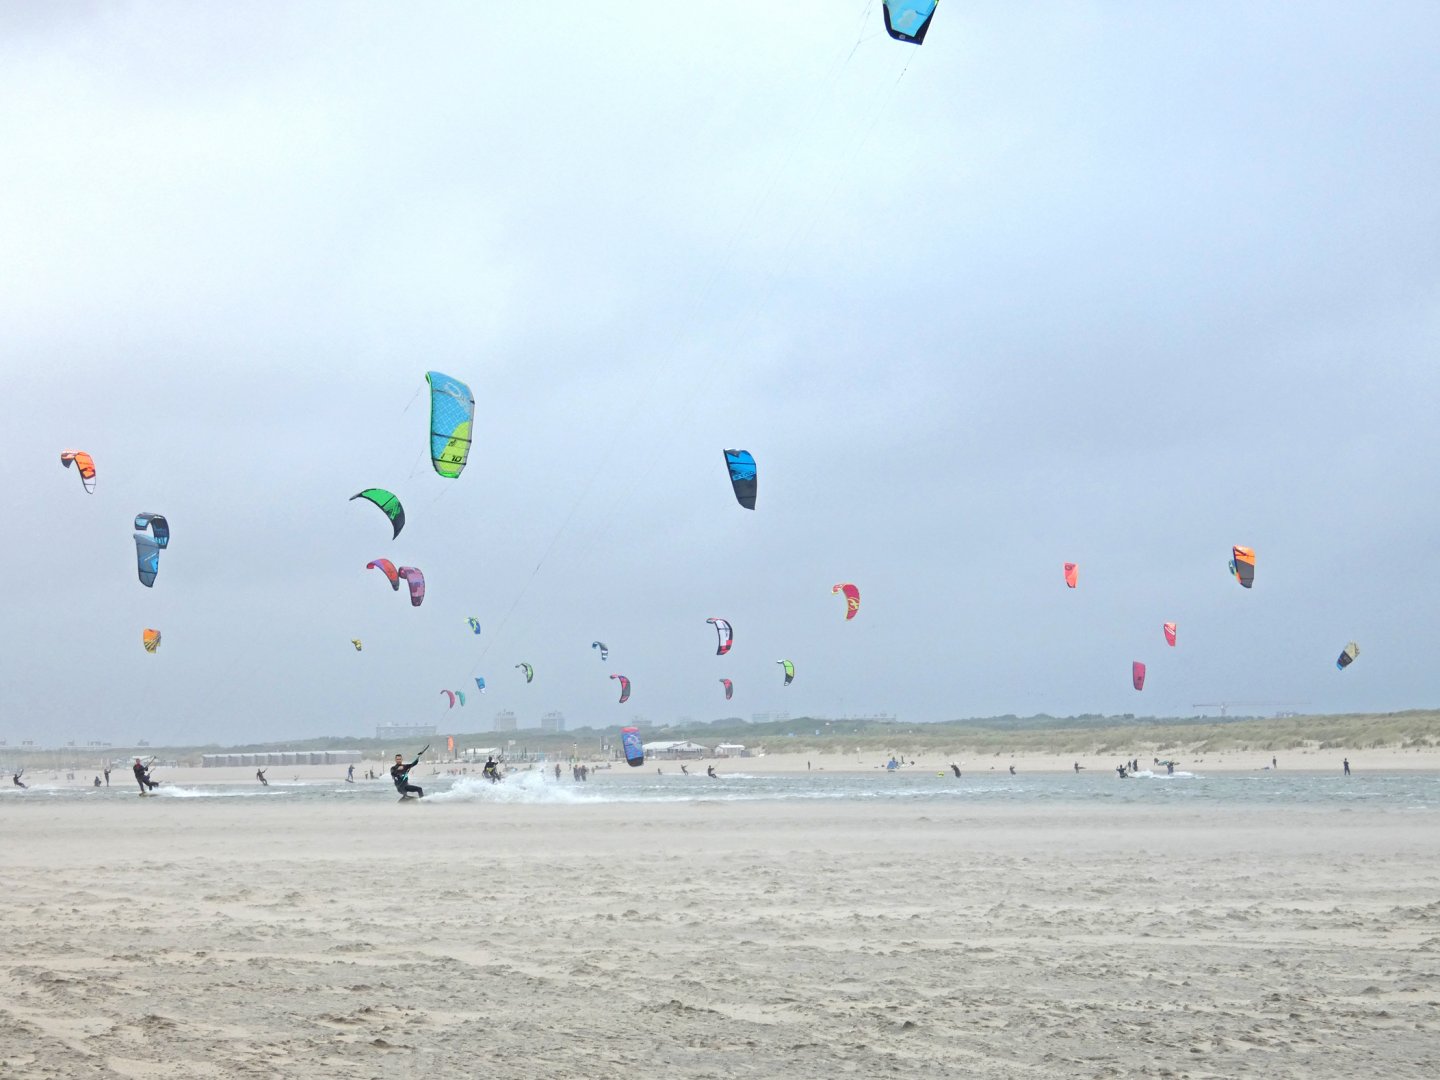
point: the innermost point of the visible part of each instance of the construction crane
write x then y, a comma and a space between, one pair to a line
1226, 706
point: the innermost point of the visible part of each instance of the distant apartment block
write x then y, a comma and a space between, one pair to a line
768, 717
504, 721
403, 731
552, 722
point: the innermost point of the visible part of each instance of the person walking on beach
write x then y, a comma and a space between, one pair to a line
16, 779
142, 776
260, 775
400, 773
1347, 766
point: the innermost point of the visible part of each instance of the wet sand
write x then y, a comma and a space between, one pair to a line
234, 937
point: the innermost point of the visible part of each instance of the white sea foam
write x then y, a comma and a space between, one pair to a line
524, 787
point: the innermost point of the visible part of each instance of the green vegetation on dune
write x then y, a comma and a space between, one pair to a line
1081, 735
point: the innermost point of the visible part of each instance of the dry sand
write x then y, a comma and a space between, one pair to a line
281, 938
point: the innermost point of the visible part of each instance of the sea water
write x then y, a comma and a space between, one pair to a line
1399, 791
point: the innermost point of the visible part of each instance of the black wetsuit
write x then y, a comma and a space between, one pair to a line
142, 775
401, 775
16, 779
956, 770
491, 771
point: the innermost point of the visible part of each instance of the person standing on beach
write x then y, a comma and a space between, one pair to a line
400, 773
1347, 766
106, 771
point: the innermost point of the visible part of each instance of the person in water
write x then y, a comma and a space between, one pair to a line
557, 770
142, 776
17, 781
684, 770
1123, 771
400, 773
491, 771
710, 772
1012, 770
350, 775
1078, 766
260, 775
955, 769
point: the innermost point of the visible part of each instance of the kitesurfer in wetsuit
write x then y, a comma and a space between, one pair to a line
955, 769
1012, 770
684, 770
710, 772
557, 770
400, 773
1121, 769
142, 775
491, 771
16, 779
260, 775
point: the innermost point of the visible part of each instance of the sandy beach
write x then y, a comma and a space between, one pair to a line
256, 937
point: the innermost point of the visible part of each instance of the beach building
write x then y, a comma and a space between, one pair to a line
673, 750
504, 721
265, 758
553, 722
730, 749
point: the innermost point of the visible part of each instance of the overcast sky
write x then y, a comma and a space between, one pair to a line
1121, 283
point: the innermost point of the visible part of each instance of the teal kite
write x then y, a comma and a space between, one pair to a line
452, 415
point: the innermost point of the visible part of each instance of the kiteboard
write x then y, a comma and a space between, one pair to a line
146, 794
409, 798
